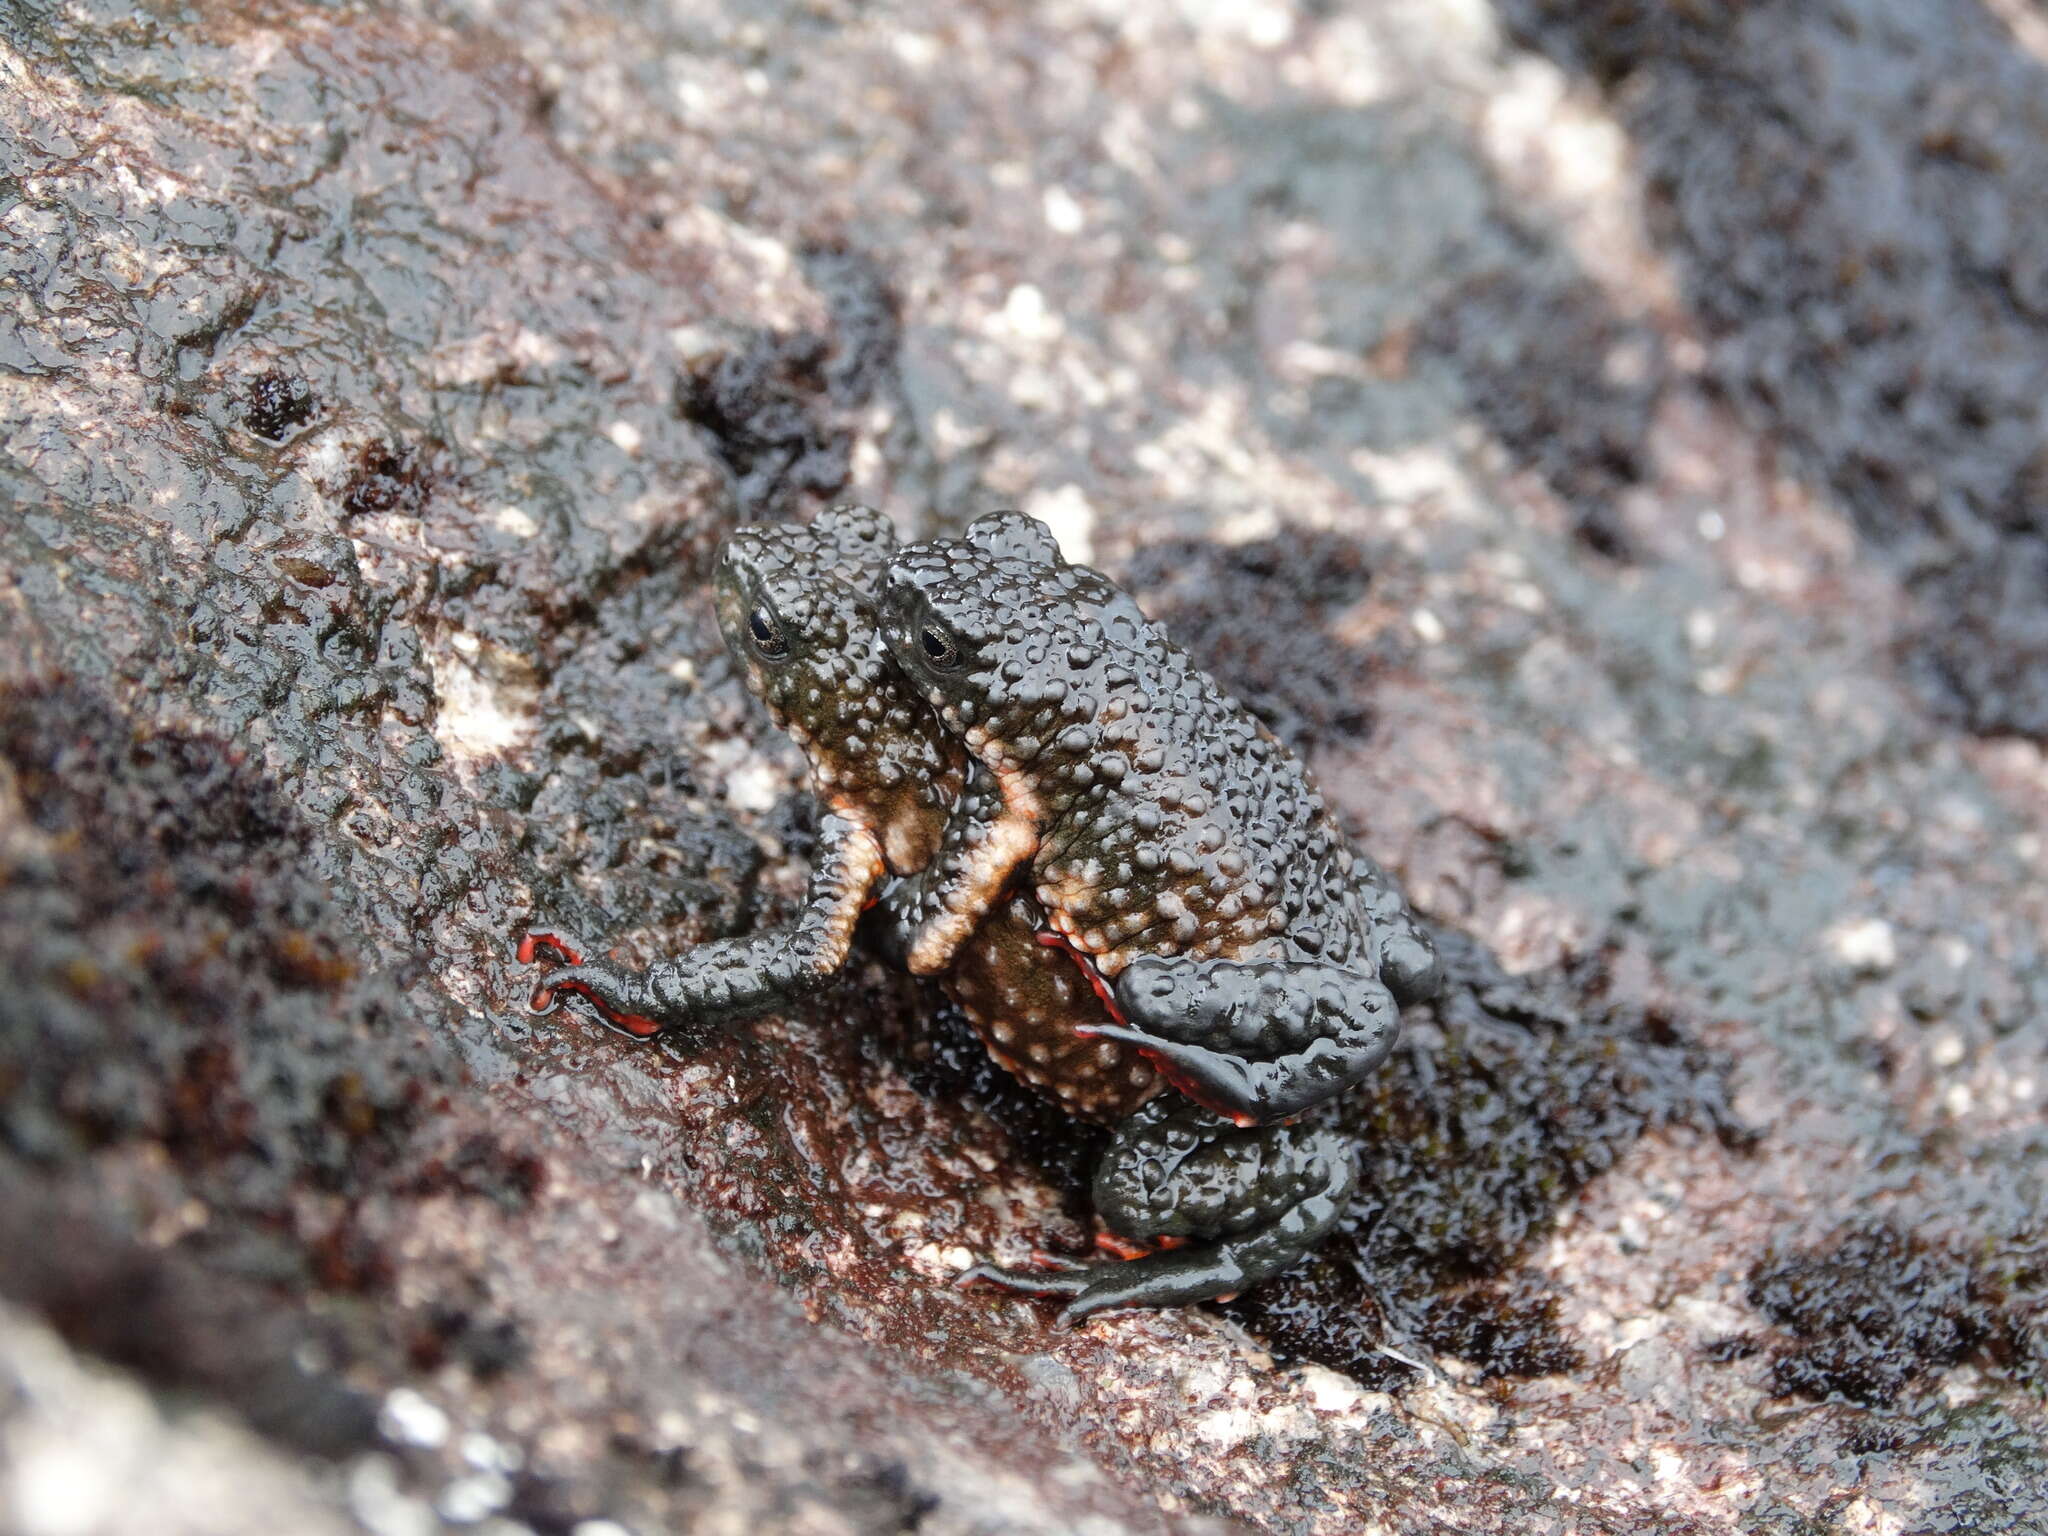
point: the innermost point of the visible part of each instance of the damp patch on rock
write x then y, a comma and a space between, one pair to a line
278, 405
170, 878
943, 1058
754, 403
1857, 239
1567, 386
387, 477
1260, 615
1871, 1309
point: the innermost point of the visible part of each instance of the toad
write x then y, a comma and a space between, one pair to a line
1169, 837
1204, 1190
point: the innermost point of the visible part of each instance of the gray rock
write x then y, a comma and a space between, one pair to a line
373, 389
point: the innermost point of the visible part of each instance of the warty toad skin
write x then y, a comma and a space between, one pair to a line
1199, 1203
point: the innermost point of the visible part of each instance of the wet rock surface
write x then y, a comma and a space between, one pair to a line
1836, 184
375, 384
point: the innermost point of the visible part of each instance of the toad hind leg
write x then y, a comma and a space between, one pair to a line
1258, 1041
1252, 1203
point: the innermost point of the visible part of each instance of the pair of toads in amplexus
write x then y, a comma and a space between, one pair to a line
1126, 883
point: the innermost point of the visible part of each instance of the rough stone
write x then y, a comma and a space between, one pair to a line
1495, 409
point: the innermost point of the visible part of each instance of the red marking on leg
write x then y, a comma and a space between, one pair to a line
1054, 939
637, 1025
1128, 1248
539, 946
1169, 1070
542, 947
1047, 1260
1013, 1281
530, 948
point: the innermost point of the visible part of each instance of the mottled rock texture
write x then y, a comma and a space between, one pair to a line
1604, 439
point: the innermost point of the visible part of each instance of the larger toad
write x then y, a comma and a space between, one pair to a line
1170, 838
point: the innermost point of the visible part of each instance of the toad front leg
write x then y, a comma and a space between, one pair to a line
730, 980
1257, 1041
927, 917
1406, 950
1237, 1207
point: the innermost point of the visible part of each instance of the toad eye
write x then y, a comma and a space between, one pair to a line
767, 634
939, 648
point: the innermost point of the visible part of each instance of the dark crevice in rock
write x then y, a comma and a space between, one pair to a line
780, 409
1259, 616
